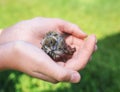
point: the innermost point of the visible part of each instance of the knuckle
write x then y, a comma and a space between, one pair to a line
63, 77
58, 20
60, 23
75, 26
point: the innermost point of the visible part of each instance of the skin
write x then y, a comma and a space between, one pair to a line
20, 50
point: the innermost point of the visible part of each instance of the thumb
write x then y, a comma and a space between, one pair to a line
59, 73
40, 62
70, 28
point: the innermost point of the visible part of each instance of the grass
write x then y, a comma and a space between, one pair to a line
100, 17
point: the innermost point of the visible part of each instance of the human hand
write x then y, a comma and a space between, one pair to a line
35, 29
32, 31
27, 58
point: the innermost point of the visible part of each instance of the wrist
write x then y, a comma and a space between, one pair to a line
6, 55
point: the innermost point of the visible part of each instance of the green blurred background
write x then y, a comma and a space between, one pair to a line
101, 17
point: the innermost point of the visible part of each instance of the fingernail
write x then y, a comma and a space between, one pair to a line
75, 78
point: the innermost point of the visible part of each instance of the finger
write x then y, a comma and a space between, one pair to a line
61, 63
79, 61
45, 65
95, 49
60, 73
74, 42
70, 28
71, 40
43, 77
